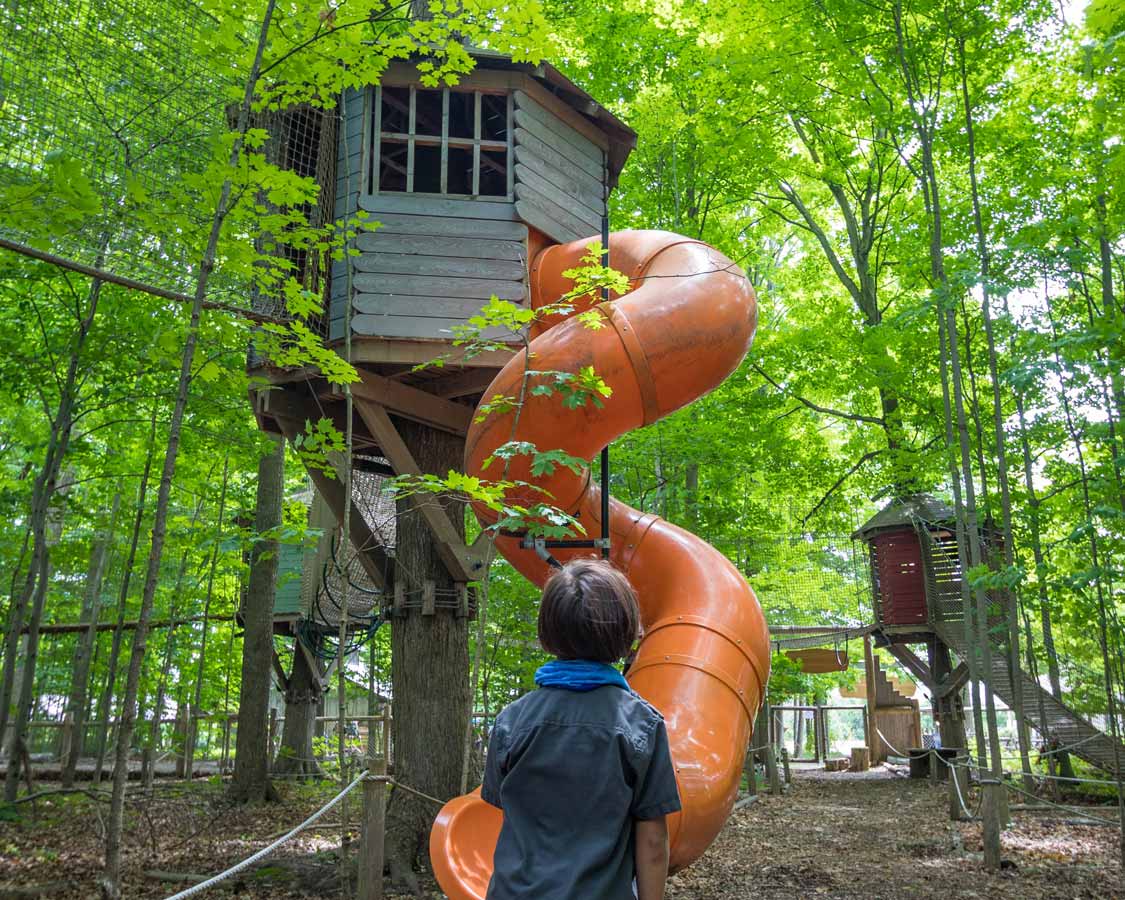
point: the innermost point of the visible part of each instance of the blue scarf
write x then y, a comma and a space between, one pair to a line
578, 675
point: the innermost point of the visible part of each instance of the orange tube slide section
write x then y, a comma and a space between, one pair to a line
685, 325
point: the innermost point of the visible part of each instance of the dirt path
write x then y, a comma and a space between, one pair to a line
838, 836
834, 836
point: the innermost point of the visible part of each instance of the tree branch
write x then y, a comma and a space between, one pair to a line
852, 417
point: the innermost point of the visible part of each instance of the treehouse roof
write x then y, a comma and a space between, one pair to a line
902, 513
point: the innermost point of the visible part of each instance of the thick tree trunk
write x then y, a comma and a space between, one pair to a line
84, 651
429, 670
302, 696
251, 782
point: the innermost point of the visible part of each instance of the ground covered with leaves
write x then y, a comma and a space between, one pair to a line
839, 835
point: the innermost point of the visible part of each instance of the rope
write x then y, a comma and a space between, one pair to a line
1070, 810
266, 851
956, 782
891, 746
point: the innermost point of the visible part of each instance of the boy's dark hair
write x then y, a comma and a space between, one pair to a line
588, 611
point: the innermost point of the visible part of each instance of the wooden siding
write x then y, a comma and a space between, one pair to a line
349, 185
432, 264
559, 174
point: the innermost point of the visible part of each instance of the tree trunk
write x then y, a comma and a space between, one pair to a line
84, 651
691, 495
105, 703
251, 782
111, 881
61, 424
14, 614
169, 654
429, 670
17, 744
302, 696
1010, 597
209, 592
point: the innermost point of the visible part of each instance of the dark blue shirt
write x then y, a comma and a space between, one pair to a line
572, 771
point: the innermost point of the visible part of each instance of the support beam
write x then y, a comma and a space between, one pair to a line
75, 627
291, 414
917, 668
412, 403
313, 664
462, 562
873, 743
465, 383
279, 672
954, 682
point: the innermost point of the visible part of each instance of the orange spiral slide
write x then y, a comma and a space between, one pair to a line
684, 327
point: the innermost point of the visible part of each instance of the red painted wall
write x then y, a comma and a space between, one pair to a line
900, 583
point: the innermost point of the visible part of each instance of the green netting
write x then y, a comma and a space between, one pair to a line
806, 580
108, 111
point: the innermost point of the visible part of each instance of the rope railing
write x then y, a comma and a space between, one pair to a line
304, 826
954, 765
267, 850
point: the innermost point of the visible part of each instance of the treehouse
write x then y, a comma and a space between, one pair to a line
468, 183
915, 569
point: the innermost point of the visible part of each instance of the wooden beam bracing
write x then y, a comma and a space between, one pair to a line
412, 403
291, 414
462, 562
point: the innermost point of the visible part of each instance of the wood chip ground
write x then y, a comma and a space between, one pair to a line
834, 835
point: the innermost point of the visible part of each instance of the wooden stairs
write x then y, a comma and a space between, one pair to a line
1042, 709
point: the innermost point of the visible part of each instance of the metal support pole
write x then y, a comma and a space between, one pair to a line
605, 450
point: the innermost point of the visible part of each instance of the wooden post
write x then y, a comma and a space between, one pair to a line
370, 881
66, 738
771, 771
428, 598
148, 766
179, 737
785, 765
226, 743
189, 743
958, 781
991, 812
273, 733
751, 772
873, 745
935, 762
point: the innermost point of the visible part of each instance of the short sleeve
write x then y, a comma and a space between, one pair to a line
493, 773
656, 794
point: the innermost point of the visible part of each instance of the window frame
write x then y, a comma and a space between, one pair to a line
411, 139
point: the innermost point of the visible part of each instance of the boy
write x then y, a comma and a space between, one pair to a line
581, 767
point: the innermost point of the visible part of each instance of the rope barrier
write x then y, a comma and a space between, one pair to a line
292, 833
956, 782
1072, 811
891, 746
266, 851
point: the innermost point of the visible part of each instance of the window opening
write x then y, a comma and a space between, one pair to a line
441, 141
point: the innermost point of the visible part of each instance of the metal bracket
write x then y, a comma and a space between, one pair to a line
543, 547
